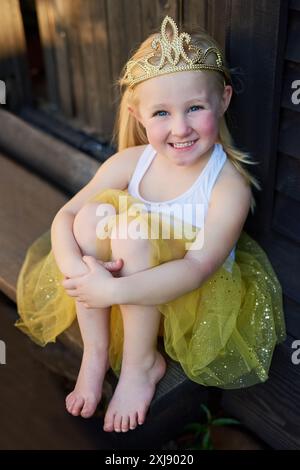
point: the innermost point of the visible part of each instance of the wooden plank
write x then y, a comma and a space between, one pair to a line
13, 64
85, 31
59, 163
107, 94
291, 75
294, 4
76, 58
289, 136
292, 316
288, 176
61, 11
28, 205
218, 13
122, 39
19, 44
46, 22
195, 14
286, 218
293, 39
256, 42
67, 131
154, 11
284, 255
271, 410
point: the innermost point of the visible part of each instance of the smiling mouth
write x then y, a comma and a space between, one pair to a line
180, 145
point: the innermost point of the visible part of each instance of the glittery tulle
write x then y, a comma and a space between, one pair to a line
223, 333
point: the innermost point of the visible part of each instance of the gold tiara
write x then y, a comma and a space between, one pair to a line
170, 52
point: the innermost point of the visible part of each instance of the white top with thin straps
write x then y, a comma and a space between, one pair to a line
192, 205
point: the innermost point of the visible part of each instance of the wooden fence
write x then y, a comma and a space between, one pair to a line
86, 43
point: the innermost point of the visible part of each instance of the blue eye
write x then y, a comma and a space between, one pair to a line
160, 113
196, 108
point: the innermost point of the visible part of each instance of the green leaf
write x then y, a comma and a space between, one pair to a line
207, 412
224, 421
206, 441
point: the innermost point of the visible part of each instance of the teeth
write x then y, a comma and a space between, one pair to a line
183, 144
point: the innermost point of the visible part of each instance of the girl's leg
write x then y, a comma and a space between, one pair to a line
93, 323
142, 365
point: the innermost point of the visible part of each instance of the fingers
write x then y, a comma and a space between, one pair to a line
73, 293
69, 283
113, 265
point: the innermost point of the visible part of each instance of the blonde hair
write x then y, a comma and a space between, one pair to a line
129, 132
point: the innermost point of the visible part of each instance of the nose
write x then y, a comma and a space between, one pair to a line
180, 126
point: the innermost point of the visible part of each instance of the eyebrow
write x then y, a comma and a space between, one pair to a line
164, 105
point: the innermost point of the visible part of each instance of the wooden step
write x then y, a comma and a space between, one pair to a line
271, 410
64, 166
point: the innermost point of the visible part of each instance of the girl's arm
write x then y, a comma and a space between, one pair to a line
228, 210
114, 173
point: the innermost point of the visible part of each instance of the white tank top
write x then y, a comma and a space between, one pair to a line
192, 205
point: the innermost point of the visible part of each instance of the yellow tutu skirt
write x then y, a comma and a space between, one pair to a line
223, 333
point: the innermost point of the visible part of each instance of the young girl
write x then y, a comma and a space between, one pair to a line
154, 243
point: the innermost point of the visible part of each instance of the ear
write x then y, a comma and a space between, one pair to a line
135, 113
225, 100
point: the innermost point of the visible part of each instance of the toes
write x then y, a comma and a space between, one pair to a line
77, 406
117, 423
125, 424
141, 416
88, 408
133, 421
108, 422
70, 401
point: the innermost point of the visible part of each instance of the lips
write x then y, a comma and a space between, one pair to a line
183, 145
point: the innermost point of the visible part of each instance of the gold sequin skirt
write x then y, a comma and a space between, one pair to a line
223, 333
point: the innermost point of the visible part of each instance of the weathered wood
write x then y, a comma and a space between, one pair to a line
67, 131
13, 64
288, 176
62, 10
59, 163
289, 136
46, 22
286, 218
292, 315
28, 205
294, 4
153, 12
271, 410
293, 39
195, 13
284, 255
102, 65
256, 43
77, 65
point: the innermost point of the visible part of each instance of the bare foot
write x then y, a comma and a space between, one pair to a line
133, 395
87, 392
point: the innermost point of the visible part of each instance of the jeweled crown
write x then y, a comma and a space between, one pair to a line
171, 53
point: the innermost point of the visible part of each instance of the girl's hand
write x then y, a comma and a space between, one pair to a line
94, 289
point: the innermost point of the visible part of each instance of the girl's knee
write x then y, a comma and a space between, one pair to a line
87, 219
130, 241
